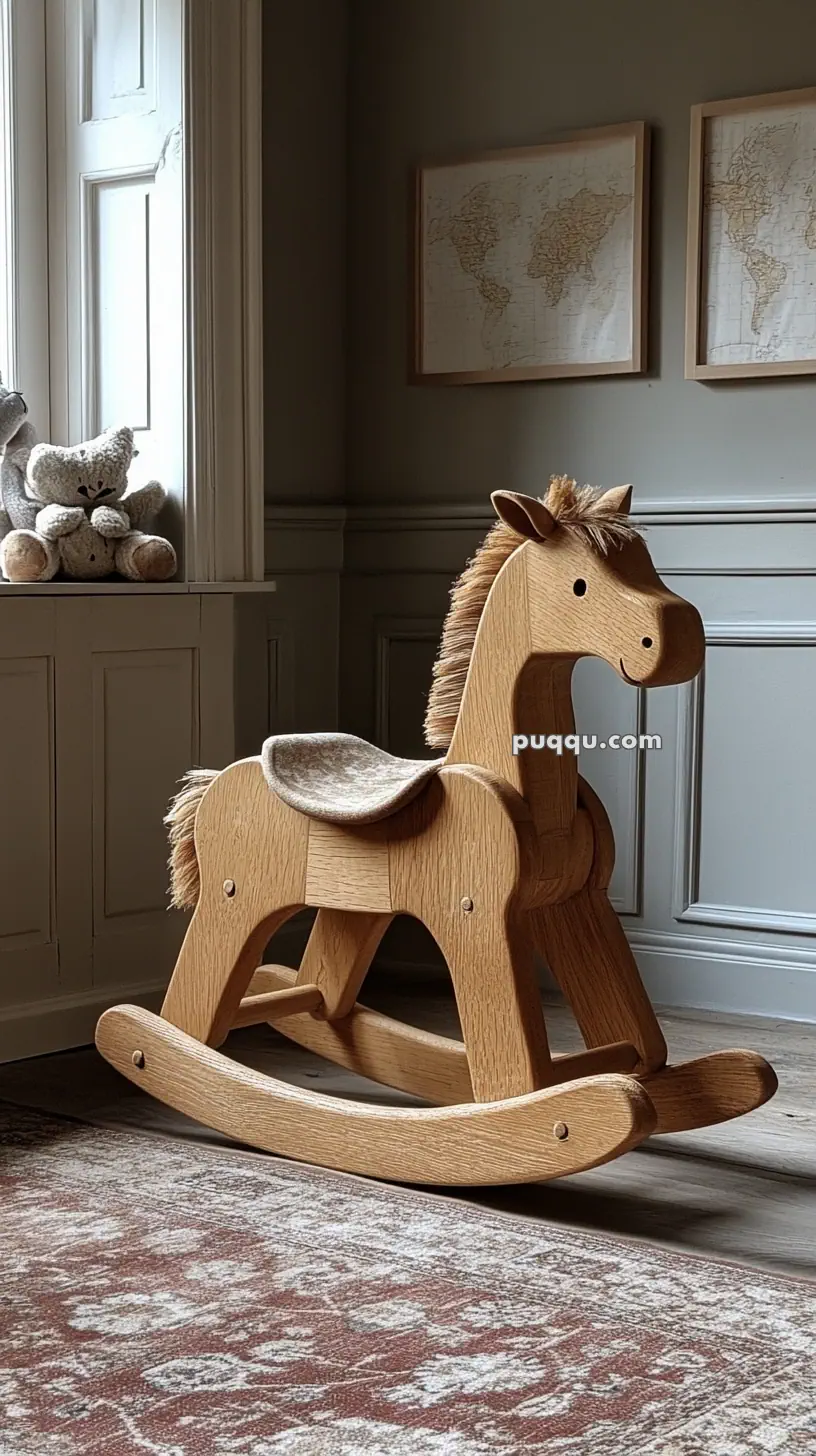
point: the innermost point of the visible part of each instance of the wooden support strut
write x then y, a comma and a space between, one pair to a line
274, 1005
389, 1051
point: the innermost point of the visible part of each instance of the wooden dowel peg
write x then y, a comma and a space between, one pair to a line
273, 1005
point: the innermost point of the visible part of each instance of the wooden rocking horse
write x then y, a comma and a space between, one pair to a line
498, 852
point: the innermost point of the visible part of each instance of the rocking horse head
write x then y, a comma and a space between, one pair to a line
572, 578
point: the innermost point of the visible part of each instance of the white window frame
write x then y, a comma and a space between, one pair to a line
24, 208
223, 267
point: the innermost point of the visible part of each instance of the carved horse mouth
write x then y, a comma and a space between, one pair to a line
636, 683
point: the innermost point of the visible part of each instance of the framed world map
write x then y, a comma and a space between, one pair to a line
751, 261
530, 263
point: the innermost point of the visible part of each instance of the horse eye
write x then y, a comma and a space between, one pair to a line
579, 587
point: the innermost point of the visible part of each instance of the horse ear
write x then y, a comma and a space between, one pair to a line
524, 514
618, 499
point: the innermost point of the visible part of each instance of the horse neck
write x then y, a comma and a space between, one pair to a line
511, 691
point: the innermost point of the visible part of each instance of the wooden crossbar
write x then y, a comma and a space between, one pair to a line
274, 1005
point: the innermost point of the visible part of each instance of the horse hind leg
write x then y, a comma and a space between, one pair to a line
339, 951
251, 851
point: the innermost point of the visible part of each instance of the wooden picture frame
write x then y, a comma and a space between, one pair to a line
424, 359
760, 269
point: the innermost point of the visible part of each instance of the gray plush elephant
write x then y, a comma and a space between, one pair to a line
81, 517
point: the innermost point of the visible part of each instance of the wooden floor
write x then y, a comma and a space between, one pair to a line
744, 1191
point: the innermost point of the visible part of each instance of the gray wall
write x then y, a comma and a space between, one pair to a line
304, 158
714, 877
437, 77
304, 147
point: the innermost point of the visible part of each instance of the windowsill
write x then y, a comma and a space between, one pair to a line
130, 588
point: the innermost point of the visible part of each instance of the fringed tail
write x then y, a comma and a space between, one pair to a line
185, 881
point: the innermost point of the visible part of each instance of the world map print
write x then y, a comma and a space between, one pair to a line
759, 246
528, 261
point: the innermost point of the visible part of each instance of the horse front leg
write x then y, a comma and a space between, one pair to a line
584, 945
463, 873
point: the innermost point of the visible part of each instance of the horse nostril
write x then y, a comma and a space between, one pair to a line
647, 641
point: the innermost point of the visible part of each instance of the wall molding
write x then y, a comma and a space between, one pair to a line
713, 974
713, 511
436, 538
307, 537
41, 1027
396, 562
686, 903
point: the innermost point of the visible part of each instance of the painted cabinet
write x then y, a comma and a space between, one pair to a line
105, 701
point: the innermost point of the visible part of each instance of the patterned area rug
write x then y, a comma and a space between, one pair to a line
183, 1301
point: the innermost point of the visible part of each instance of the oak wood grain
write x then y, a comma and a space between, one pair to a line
462, 887
348, 868
274, 1005
338, 954
508, 1141
710, 1089
247, 837
584, 945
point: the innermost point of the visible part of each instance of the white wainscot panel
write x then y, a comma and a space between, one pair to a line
146, 737
118, 57
604, 705
26, 728
747, 778
28, 963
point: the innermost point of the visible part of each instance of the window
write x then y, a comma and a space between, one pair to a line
130, 247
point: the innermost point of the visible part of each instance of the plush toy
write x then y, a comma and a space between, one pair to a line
83, 521
16, 440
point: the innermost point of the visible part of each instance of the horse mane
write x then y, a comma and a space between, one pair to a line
580, 510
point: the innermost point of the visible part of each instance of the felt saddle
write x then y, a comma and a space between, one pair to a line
342, 779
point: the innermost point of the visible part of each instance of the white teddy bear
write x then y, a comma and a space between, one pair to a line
86, 523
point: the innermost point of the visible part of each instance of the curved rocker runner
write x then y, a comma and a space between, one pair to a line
499, 854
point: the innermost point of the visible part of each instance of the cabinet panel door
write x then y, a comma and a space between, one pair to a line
130, 674
145, 736
28, 951
105, 701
